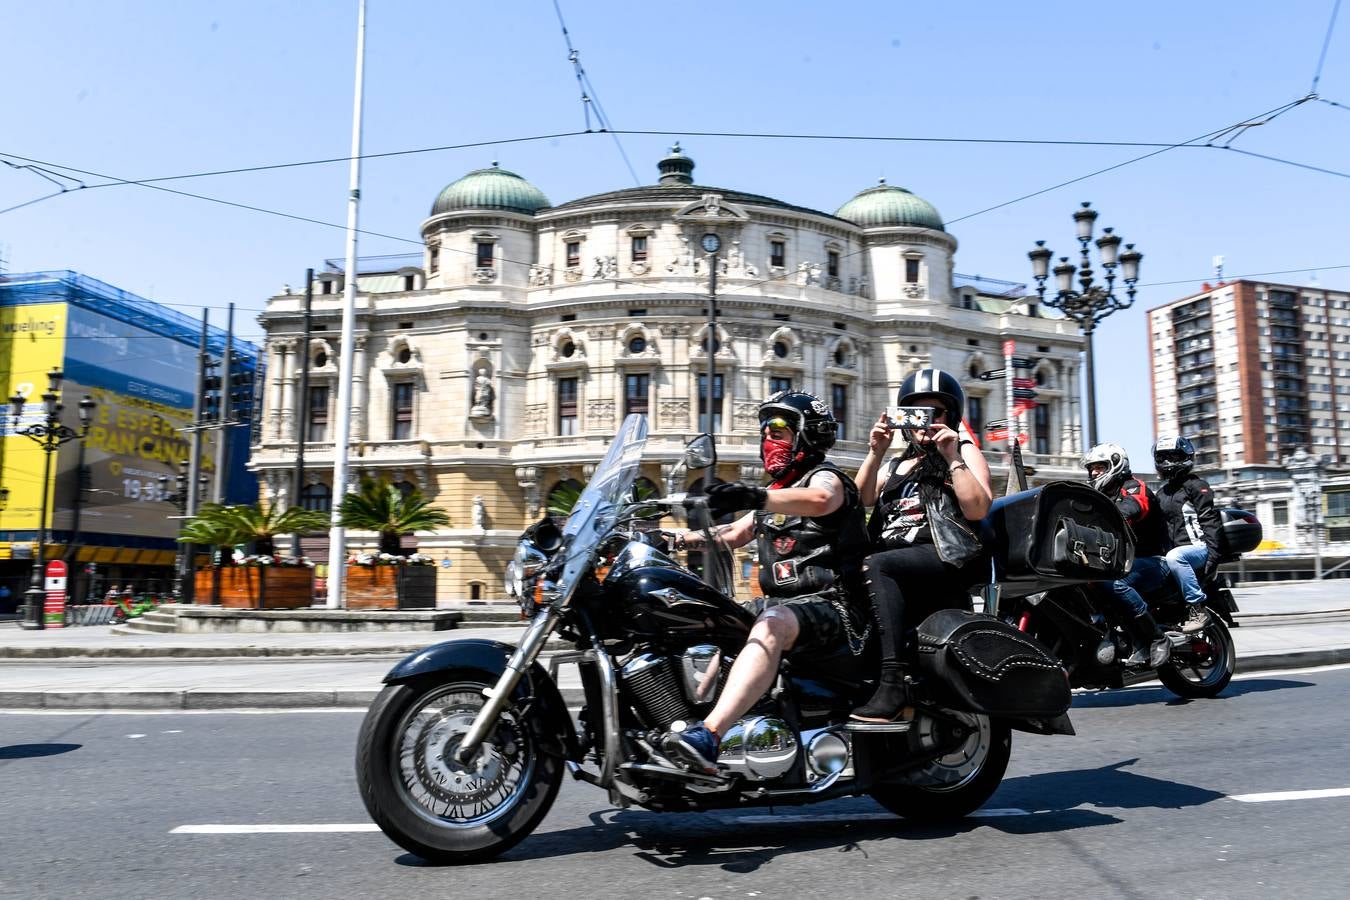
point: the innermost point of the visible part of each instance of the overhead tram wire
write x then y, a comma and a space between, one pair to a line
589, 94
1163, 149
1326, 44
149, 183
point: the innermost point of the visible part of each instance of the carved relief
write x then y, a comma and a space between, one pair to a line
674, 413
485, 274
572, 274
832, 283
639, 268
541, 276
536, 418
605, 267
599, 414
914, 291
808, 273
747, 415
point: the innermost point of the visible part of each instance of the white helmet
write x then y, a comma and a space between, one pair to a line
1117, 466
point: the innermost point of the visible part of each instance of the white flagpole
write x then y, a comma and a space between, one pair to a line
337, 543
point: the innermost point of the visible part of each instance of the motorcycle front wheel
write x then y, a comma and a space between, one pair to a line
430, 804
954, 785
1205, 672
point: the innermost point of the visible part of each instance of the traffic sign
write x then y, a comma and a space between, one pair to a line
1024, 394
993, 374
1025, 362
1024, 382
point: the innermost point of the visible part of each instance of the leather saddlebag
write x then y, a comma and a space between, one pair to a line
988, 666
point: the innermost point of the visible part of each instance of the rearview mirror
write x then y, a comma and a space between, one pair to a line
700, 453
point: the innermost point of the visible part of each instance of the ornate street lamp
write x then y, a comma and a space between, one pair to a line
49, 434
1091, 302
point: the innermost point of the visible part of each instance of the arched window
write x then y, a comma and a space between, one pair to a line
317, 498
564, 496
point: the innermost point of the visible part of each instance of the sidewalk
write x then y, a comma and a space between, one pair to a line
1282, 625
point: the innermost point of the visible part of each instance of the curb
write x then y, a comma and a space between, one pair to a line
236, 652
356, 700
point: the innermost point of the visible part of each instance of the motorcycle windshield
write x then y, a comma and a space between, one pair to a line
593, 515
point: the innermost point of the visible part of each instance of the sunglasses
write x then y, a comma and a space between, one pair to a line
775, 422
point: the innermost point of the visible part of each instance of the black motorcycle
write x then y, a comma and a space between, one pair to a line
461, 755
1085, 626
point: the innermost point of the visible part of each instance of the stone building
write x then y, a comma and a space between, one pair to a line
494, 371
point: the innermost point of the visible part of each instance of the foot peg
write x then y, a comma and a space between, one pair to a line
855, 726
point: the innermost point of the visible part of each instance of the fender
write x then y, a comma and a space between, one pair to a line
548, 717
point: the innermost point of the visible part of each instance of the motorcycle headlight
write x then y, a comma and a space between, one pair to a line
529, 559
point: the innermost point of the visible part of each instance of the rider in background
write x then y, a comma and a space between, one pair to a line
1108, 469
809, 525
928, 553
1192, 524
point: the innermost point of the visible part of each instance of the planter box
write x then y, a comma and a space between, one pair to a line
391, 587
250, 587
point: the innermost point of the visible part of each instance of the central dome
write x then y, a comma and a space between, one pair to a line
888, 205
492, 188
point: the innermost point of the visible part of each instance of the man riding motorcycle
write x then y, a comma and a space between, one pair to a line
1108, 469
1193, 524
811, 540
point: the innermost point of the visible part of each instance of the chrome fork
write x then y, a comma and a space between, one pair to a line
541, 626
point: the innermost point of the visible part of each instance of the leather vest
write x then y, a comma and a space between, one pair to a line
803, 555
940, 522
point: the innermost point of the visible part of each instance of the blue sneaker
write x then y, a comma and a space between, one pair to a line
695, 747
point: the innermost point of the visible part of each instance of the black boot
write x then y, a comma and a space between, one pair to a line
1150, 648
889, 700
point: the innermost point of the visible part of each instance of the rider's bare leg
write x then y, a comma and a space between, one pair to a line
755, 668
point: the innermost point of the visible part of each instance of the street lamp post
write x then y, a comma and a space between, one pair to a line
49, 433
1092, 302
711, 243
179, 498
1305, 470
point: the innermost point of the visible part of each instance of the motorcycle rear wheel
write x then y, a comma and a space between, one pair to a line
953, 786
1207, 676
431, 805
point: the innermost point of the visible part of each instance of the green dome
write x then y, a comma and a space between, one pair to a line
886, 205
493, 188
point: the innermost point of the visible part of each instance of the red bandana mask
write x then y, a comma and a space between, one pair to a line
779, 460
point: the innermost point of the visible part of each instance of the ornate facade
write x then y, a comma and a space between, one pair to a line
501, 366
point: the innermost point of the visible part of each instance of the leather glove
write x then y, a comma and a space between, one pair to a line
735, 496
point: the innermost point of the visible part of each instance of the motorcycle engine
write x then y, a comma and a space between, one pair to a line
664, 689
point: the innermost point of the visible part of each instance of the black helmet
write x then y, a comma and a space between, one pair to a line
934, 383
808, 417
1174, 455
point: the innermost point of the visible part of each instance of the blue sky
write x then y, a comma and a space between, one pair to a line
147, 89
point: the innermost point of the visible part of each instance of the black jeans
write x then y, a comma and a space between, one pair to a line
908, 584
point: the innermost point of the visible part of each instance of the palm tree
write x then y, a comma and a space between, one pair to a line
226, 526
384, 508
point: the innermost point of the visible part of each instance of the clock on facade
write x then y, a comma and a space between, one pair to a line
711, 243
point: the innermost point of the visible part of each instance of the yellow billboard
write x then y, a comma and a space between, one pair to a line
32, 343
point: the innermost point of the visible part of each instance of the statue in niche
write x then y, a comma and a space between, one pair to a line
483, 395
479, 513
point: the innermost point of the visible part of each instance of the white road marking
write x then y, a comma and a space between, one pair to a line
276, 829
993, 813
1274, 796
85, 713
173, 731
134, 736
